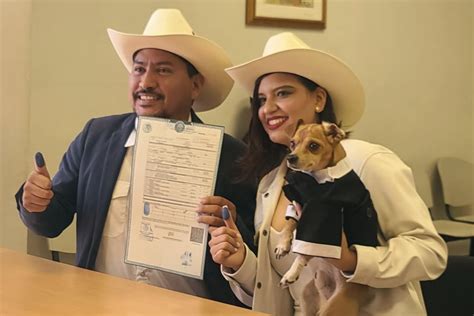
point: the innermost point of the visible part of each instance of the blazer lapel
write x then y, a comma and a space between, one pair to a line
195, 118
271, 195
113, 158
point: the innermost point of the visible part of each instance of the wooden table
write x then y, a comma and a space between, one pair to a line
34, 286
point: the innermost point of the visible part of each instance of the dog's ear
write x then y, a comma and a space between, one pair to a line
298, 124
333, 133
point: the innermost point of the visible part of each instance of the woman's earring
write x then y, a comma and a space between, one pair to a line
317, 109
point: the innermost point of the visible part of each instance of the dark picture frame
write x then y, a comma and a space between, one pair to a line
287, 13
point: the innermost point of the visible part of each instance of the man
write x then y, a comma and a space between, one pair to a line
172, 72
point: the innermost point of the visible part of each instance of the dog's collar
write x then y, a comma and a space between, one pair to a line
329, 174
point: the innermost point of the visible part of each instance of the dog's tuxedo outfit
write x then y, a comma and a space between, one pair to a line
337, 203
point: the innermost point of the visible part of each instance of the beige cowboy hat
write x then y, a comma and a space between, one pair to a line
285, 52
167, 29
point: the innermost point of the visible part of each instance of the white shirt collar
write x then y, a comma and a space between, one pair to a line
329, 174
131, 138
133, 135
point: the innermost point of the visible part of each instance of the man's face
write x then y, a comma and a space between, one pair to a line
159, 85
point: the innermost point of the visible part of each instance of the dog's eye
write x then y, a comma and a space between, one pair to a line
292, 144
313, 146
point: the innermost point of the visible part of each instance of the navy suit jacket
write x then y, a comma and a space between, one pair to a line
86, 179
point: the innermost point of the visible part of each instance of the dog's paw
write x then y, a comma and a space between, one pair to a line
282, 250
288, 279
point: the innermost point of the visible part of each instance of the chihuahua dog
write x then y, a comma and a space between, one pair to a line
321, 208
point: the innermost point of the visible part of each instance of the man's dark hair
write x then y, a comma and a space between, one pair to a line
192, 71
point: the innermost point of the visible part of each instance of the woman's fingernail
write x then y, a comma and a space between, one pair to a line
225, 212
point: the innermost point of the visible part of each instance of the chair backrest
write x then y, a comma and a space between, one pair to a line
456, 181
452, 293
423, 187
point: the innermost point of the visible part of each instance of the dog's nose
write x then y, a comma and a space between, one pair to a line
292, 159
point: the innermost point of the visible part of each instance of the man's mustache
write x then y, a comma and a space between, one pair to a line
151, 91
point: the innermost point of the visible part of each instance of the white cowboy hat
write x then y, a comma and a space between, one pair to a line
285, 52
167, 29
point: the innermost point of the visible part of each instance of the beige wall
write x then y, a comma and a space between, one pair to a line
415, 58
15, 22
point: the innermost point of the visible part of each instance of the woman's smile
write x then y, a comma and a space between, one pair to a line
275, 122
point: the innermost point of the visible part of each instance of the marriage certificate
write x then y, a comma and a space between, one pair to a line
174, 165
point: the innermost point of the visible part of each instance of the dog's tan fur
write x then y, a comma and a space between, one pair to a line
329, 151
317, 146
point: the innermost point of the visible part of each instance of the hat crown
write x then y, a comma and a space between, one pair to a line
282, 42
284, 52
168, 30
167, 22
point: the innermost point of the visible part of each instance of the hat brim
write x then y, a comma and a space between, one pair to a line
329, 72
207, 57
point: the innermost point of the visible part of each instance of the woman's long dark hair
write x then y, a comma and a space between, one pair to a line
263, 155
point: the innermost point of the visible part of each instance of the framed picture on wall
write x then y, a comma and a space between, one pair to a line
287, 13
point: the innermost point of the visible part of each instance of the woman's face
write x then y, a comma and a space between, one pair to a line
284, 100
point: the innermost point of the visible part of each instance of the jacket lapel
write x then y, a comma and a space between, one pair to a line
195, 118
270, 203
269, 193
113, 158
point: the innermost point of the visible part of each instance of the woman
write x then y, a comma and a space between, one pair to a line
293, 82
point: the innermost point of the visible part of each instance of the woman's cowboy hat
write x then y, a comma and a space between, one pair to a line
167, 29
285, 52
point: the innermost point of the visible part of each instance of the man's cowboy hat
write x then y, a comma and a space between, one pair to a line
167, 29
285, 52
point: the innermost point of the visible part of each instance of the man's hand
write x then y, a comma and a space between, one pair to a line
226, 245
37, 191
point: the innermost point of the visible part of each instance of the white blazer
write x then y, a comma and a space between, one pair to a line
410, 248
